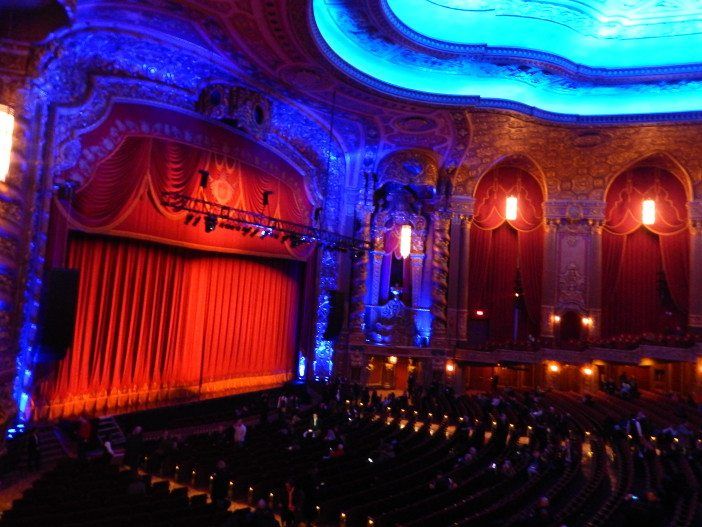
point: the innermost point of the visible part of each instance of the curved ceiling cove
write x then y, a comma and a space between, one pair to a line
558, 59
594, 33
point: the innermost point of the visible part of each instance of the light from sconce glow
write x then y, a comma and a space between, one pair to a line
405, 240
450, 367
7, 127
587, 321
556, 319
392, 359
479, 312
554, 368
511, 208
648, 212
587, 371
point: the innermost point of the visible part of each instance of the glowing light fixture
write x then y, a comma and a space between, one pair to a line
450, 367
556, 319
511, 208
648, 212
392, 359
7, 127
587, 371
405, 240
554, 368
587, 321
479, 312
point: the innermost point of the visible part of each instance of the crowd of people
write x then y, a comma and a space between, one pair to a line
325, 425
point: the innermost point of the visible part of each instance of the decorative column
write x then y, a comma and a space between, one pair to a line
464, 279
695, 308
549, 283
441, 222
453, 277
594, 290
459, 264
360, 263
421, 322
15, 225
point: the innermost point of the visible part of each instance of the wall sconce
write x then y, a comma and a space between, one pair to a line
511, 208
7, 127
648, 212
587, 371
556, 319
450, 367
554, 367
587, 321
392, 359
479, 313
405, 240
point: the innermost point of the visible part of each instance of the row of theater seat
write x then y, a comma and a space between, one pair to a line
92, 494
592, 487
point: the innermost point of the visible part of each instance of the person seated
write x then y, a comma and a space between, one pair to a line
136, 486
338, 451
261, 516
442, 482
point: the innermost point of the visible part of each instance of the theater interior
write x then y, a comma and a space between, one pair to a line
351, 263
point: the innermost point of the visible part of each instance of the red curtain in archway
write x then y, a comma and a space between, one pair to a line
157, 323
499, 246
635, 257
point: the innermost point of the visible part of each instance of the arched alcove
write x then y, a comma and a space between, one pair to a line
645, 264
506, 255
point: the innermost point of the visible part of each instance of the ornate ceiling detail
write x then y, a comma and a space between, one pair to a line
391, 59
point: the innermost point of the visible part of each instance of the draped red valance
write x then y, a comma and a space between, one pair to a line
123, 196
491, 197
625, 199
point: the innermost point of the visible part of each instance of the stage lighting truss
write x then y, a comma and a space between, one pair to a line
257, 225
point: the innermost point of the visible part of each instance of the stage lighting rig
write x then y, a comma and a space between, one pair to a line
251, 224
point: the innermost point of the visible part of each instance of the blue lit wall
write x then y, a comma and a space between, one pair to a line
474, 76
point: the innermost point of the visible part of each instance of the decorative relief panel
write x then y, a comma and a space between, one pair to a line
241, 107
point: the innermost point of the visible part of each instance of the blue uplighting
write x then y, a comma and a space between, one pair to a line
467, 77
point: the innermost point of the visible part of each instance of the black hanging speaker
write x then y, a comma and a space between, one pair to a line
336, 315
59, 300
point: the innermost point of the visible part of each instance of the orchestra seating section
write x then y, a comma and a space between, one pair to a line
509, 458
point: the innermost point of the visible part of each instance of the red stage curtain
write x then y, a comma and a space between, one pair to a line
633, 254
148, 315
498, 246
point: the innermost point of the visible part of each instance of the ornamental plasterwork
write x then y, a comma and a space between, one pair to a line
571, 287
574, 210
409, 167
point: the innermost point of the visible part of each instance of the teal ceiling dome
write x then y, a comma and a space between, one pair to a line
566, 60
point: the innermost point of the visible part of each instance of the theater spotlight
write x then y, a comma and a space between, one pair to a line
266, 197
210, 223
204, 177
